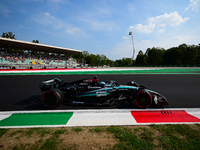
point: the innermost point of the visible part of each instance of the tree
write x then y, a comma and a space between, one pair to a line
78, 56
110, 63
191, 55
8, 35
85, 54
155, 56
172, 56
183, 51
126, 62
35, 41
118, 63
140, 59
103, 60
91, 59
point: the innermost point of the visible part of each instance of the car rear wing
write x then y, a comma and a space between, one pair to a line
52, 81
50, 84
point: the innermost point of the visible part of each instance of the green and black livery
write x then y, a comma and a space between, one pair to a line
93, 92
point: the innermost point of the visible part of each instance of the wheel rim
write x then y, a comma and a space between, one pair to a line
50, 99
143, 99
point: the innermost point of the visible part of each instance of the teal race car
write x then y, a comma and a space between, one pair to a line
99, 93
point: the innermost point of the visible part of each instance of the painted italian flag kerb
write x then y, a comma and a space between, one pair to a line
97, 118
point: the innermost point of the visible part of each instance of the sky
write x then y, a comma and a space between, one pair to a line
103, 26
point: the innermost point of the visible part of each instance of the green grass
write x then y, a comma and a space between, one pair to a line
57, 133
39, 131
77, 129
129, 140
49, 144
20, 131
147, 135
29, 132
97, 130
2, 132
178, 137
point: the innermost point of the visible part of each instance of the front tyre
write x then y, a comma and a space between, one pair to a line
143, 99
52, 98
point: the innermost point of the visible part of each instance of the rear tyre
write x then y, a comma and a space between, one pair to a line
143, 99
52, 98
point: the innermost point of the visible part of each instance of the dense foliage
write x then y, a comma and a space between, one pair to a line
182, 55
93, 60
9, 35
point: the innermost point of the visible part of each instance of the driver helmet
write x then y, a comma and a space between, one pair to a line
95, 79
102, 83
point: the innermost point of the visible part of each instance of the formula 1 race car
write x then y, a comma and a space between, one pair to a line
93, 92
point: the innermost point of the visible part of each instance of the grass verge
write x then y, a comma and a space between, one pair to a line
111, 137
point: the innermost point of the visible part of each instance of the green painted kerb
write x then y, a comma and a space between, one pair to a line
33, 119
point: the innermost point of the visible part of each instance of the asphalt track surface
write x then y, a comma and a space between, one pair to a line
21, 92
